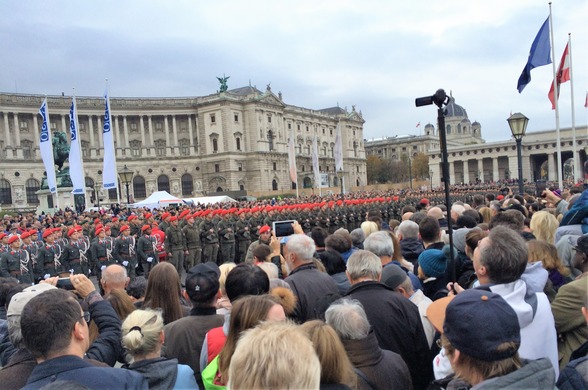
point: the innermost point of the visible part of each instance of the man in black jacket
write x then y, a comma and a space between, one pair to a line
395, 320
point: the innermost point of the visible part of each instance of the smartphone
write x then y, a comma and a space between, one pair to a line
283, 228
540, 186
65, 283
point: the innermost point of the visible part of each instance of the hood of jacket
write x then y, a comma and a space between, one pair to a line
515, 293
161, 373
535, 276
364, 352
534, 374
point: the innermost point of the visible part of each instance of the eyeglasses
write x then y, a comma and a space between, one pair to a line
87, 317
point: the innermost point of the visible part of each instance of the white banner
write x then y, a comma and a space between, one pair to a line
292, 159
46, 148
76, 168
315, 163
338, 150
324, 183
109, 170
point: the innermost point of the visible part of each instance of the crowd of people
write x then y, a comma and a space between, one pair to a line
368, 291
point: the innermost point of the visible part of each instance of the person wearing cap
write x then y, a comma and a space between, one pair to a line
164, 222
265, 236
193, 245
124, 251
481, 336
395, 320
184, 337
572, 329
114, 227
55, 330
226, 233
243, 236
175, 245
432, 273
31, 247
16, 262
147, 250
209, 238
135, 225
3, 242
101, 252
48, 257
71, 259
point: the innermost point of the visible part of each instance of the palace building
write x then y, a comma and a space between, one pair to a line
224, 142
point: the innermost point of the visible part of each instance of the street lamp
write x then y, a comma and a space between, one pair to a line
126, 176
518, 127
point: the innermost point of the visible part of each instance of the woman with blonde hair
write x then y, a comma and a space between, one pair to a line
336, 368
142, 335
486, 213
223, 304
543, 226
546, 253
369, 227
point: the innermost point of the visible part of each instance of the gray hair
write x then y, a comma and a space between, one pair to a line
364, 264
115, 273
357, 236
379, 243
408, 229
505, 256
14, 331
457, 209
348, 319
301, 245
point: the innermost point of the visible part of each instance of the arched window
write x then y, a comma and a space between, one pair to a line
219, 189
187, 184
139, 187
458, 128
274, 185
214, 145
448, 129
32, 186
5, 192
238, 141
163, 183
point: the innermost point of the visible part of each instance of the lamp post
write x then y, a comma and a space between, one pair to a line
410, 172
126, 176
97, 194
518, 127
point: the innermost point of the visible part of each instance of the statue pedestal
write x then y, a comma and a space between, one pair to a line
64, 198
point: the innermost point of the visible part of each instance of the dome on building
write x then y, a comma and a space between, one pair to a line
429, 125
476, 123
454, 109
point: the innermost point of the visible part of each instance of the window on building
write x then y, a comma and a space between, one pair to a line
27, 149
5, 192
24, 125
448, 129
163, 183
160, 148
187, 184
270, 138
298, 127
274, 166
112, 194
330, 131
274, 185
302, 168
241, 187
135, 148
134, 127
307, 128
212, 118
85, 149
289, 126
214, 145
414, 147
217, 168
269, 119
159, 126
236, 116
185, 147
240, 167
238, 143
32, 186
139, 189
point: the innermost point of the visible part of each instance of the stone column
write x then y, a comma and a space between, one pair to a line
481, 169
126, 130
92, 139
466, 171
142, 127
64, 126
552, 172
119, 146
6, 130
100, 135
451, 172
191, 132
495, 171
36, 135
175, 128
16, 130
151, 141
167, 143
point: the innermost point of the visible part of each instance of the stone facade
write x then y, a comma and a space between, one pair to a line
228, 141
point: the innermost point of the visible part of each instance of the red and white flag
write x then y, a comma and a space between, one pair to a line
563, 75
586, 102
418, 124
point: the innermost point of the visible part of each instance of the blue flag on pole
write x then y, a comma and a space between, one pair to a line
540, 55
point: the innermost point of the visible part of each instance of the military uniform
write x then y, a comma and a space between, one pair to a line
101, 255
174, 244
227, 241
48, 261
124, 254
193, 245
209, 240
243, 237
147, 252
17, 264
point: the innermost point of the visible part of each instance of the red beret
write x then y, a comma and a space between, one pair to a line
131, 217
114, 219
145, 227
174, 218
47, 233
147, 215
124, 227
78, 228
165, 215
97, 220
34, 231
98, 231
500, 197
13, 238
106, 228
25, 235
264, 229
424, 201
184, 213
154, 224
2, 235
71, 231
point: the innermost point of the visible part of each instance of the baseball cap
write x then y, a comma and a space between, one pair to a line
581, 244
18, 301
477, 323
202, 282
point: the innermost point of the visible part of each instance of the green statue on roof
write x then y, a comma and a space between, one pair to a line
223, 83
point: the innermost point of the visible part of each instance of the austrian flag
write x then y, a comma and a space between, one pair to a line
563, 75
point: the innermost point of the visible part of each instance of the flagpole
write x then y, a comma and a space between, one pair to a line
79, 145
555, 93
575, 147
113, 129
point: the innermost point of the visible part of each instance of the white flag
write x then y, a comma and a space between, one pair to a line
315, 163
338, 150
46, 148
109, 170
292, 159
76, 170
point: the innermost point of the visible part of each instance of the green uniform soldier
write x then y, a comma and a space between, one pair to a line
124, 251
209, 238
16, 262
193, 244
147, 250
226, 234
174, 245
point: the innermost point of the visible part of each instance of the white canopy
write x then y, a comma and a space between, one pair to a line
209, 199
158, 199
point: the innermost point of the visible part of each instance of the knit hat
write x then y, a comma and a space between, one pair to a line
459, 239
477, 323
433, 262
393, 276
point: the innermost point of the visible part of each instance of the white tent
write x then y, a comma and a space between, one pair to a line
209, 199
158, 199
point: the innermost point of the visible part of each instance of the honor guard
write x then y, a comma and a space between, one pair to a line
243, 235
48, 257
174, 245
16, 262
147, 250
193, 245
226, 234
101, 252
209, 238
3, 242
124, 251
31, 247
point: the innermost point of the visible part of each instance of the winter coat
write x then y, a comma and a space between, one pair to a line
534, 374
164, 374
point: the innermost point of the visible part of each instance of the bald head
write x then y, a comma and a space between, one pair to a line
435, 212
114, 277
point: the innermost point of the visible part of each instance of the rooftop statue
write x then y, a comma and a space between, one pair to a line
223, 83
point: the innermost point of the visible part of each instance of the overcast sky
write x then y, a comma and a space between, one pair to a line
376, 55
